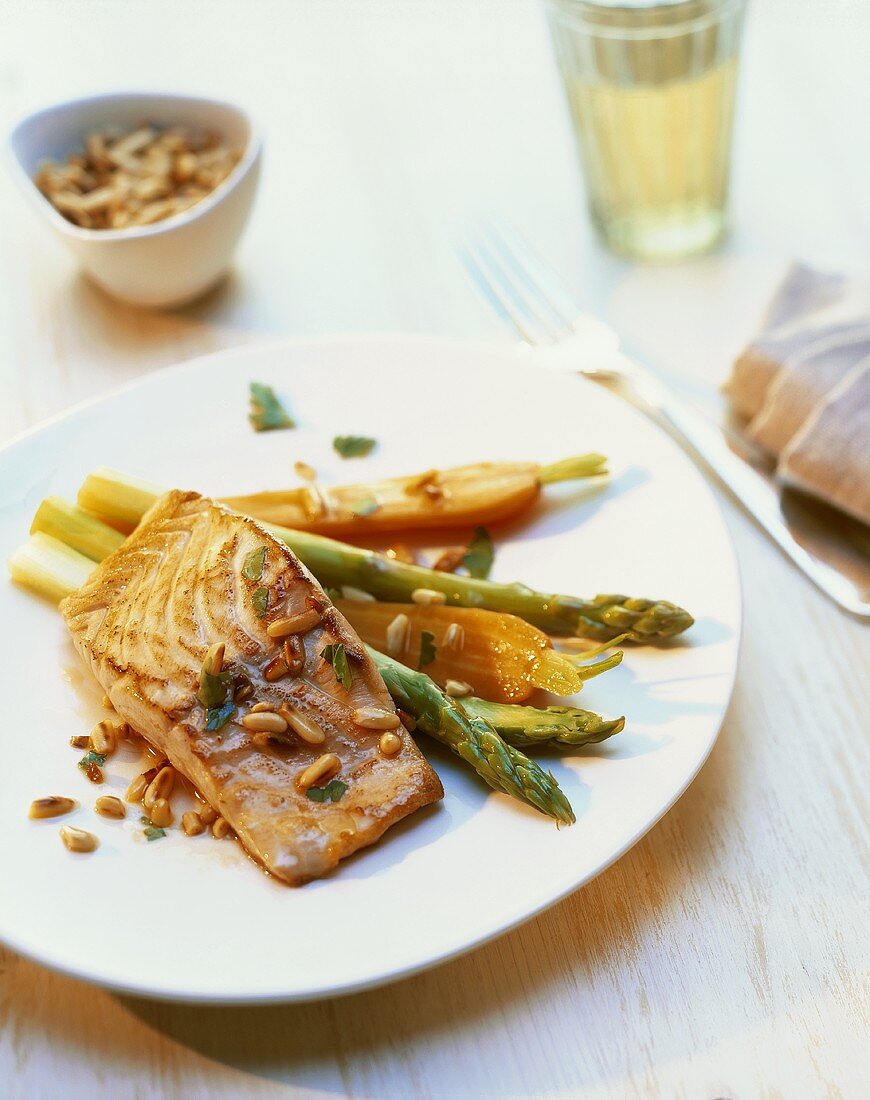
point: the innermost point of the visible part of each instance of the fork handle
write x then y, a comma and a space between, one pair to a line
745, 483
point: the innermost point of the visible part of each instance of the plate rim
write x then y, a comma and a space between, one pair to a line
510, 352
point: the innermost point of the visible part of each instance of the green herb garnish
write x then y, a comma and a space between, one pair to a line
353, 446
337, 657
213, 689
428, 652
254, 564
219, 716
479, 555
267, 412
92, 758
332, 792
260, 601
153, 833
365, 506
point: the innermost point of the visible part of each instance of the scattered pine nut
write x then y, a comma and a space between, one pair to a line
375, 718
214, 659
192, 823
159, 787
220, 828
110, 806
456, 689
207, 815
276, 669
294, 654
306, 472
80, 741
294, 624
311, 733
77, 840
454, 637
259, 708
325, 767
428, 596
160, 814
265, 722
104, 737
356, 594
398, 635
389, 743
53, 805
136, 791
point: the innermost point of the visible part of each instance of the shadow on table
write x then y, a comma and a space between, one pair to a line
379, 1043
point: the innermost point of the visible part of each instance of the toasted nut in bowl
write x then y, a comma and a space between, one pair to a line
151, 192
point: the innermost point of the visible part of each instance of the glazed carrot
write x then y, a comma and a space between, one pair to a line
485, 653
464, 495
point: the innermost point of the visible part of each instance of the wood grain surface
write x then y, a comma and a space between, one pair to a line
726, 955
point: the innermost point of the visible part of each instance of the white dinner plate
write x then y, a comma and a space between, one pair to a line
194, 918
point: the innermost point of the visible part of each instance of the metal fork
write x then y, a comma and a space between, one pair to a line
528, 295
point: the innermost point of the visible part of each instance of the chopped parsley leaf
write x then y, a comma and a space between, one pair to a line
428, 652
267, 412
92, 758
354, 446
336, 655
332, 792
254, 564
219, 716
153, 833
479, 555
260, 601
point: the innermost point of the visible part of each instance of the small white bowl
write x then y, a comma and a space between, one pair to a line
172, 261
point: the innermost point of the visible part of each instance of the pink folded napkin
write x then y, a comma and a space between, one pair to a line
802, 387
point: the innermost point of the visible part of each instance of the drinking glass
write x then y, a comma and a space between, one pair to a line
650, 87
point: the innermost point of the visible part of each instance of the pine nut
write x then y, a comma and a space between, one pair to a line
207, 815
266, 741
52, 806
375, 718
160, 813
258, 708
306, 472
80, 741
357, 595
389, 743
456, 689
275, 669
294, 624
264, 721
428, 596
77, 840
192, 823
110, 806
454, 637
221, 828
214, 659
136, 791
244, 690
104, 737
159, 787
325, 767
303, 726
294, 654
398, 635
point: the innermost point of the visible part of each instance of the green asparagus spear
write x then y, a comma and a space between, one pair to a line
473, 739
336, 564
554, 727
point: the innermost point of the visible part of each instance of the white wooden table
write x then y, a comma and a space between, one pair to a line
726, 955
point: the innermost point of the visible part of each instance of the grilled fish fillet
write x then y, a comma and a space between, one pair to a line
144, 622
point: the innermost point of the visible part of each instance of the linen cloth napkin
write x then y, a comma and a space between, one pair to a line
802, 387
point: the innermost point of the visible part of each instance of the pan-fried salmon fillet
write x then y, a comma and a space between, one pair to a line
194, 574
